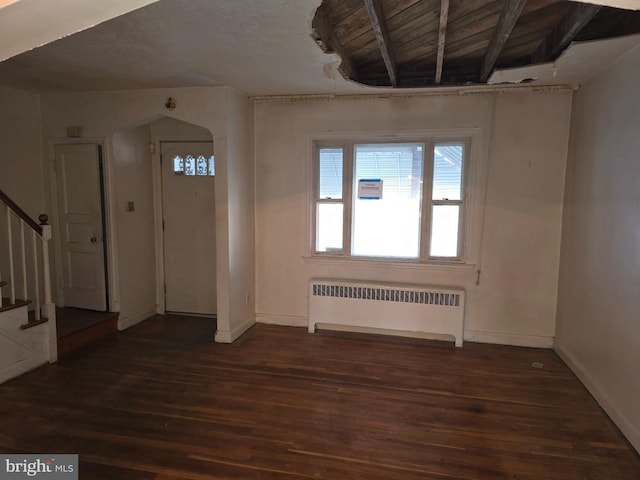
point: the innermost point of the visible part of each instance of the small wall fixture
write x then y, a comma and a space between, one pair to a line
74, 132
170, 104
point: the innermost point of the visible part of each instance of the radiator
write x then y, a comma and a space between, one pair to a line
376, 307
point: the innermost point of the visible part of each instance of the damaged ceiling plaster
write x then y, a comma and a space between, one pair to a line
265, 48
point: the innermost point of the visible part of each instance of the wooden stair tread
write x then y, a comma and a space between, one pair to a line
33, 323
10, 306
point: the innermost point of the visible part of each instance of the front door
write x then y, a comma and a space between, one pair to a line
81, 226
188, 203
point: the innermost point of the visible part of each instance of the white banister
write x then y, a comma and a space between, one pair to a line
36, 280
46, 309
12, 288
46, 236
24, 262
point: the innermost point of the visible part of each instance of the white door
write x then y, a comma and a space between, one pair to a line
80, 216
188, 203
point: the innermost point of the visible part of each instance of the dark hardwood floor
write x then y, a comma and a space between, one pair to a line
162, 401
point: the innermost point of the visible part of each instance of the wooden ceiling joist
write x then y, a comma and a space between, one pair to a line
379, 24
323, 35
427, 43
442, 30
506, 22
555, 42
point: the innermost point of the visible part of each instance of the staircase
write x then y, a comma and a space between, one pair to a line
23, 345
27, 325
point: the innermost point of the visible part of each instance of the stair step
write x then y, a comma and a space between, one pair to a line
10, 306
72, 341
33, 322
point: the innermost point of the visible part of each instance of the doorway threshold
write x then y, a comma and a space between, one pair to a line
77, 328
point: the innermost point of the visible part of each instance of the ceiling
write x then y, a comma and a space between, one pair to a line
423, 43
290, 47
34, 17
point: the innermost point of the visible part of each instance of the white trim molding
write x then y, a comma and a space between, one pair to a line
224, 336
628, 429
282, 319
135, 318
514, 339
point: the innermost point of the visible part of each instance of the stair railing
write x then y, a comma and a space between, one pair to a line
18, 255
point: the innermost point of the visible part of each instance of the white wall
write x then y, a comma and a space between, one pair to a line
521, 136
103, 113
598, 326
523, 139
170, 129
133, 181
238, 208
20, 171
20, 153
522, 231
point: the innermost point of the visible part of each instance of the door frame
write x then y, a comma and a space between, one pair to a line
155, 148
109, 244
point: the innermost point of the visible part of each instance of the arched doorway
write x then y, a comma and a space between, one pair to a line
165, 218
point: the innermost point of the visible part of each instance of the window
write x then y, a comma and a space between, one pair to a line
191, 166
388, 225
329, 209
403, 200
446, 200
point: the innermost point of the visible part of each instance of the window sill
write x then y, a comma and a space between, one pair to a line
390, 263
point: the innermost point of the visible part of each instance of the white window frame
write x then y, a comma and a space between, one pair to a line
430, 140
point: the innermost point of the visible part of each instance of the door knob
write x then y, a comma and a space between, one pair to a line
94, 239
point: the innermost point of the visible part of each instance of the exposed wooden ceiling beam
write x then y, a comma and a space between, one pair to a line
323, 35
556, 41
379, 24
506, 22
444, 17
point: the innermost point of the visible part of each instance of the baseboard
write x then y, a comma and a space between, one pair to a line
284, 320
383, 331
128, 321
22, 367
518, 340
224, 336
630, 431
515, 339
